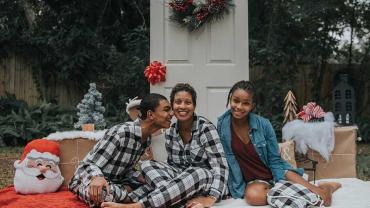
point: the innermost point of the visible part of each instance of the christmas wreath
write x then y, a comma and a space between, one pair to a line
194, 14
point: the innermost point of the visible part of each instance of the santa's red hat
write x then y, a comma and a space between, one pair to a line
42, 148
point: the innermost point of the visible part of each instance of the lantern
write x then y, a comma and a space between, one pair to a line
344, 101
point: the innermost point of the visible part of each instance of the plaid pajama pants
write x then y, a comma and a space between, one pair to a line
286, 194
167, 185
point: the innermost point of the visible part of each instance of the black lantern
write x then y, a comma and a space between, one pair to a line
344, 101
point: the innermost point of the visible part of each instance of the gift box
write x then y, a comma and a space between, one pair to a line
342, 161
72, 151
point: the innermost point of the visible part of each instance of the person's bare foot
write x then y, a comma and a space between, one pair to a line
200, 202
118, 205
327, 189
332, 186
194, 205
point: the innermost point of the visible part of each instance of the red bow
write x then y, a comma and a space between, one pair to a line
155, 72
311, 110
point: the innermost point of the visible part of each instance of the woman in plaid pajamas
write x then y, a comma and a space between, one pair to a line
252, 151
107, 172
196, 172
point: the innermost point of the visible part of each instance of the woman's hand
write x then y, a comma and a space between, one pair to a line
95, 188
148, 154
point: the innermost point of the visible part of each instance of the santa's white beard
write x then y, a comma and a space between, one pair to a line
30, 184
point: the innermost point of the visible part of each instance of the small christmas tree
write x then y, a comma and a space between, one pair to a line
290, 108
91, 109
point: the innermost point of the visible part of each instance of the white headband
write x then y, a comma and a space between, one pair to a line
132, 103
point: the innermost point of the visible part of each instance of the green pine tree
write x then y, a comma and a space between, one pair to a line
90, 109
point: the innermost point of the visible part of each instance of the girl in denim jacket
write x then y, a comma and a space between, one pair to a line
252, 151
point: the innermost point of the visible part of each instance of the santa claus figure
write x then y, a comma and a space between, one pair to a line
37, 171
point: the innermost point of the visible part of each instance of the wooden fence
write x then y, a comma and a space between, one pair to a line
16, 77
305, 81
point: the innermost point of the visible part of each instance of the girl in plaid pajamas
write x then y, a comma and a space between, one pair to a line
252, 151
107, 172
196, 172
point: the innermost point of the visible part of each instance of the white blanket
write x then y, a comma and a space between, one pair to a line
318, 136
354, 193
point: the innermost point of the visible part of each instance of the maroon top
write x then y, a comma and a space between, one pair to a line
250, 163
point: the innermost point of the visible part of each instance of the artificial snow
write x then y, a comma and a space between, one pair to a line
96, 135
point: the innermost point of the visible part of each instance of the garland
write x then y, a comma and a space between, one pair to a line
194, 14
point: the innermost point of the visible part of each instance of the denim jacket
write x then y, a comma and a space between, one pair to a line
265, 143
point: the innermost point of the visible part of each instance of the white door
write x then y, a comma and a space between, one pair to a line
211, 59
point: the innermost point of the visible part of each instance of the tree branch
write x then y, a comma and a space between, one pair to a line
140, 12
29, 13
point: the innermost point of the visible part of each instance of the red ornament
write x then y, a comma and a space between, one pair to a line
202, 14
155, 72
180, 7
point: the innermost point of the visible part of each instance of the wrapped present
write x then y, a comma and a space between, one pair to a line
342, 161
74, 146
318, 136
72, 152
287, 152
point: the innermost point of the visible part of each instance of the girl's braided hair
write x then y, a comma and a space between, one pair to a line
243, 85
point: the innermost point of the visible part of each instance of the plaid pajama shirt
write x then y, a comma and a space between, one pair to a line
113, 158
199, 167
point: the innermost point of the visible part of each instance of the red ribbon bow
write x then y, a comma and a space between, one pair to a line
311, 110
155, 72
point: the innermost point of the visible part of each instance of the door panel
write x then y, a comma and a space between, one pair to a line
211, 59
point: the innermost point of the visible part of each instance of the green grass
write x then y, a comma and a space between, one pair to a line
363, 161
7, 157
